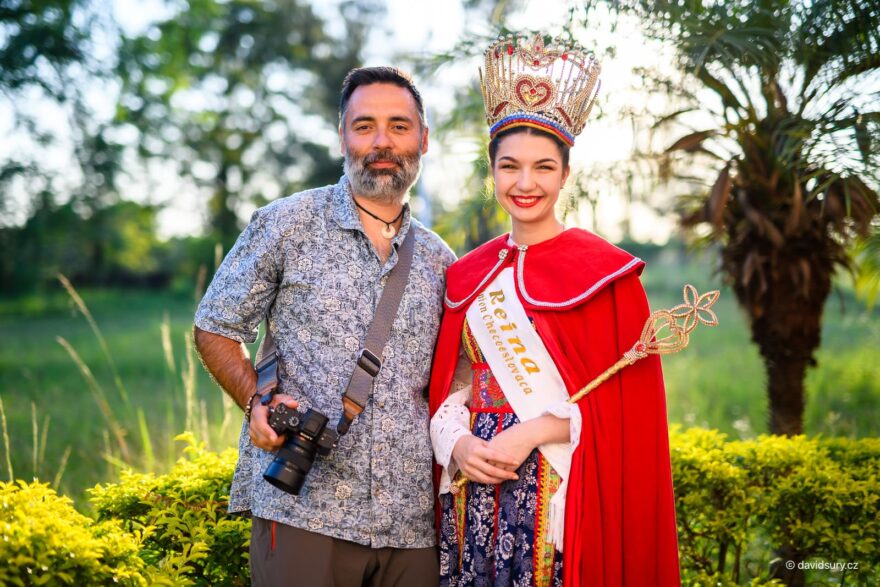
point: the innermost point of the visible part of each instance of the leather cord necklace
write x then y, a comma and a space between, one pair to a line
389, 231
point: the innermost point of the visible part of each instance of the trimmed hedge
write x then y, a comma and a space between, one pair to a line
737, 502
44, 541
182, 516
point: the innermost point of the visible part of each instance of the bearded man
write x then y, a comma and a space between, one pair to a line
315, 264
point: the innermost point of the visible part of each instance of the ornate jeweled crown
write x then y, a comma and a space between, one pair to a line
548, 86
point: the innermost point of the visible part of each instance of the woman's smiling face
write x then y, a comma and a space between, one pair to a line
529, 174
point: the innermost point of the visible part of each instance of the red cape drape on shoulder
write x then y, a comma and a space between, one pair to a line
589, 307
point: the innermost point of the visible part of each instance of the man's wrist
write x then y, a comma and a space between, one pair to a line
249, 406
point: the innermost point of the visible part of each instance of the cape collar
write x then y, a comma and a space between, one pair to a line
557, 274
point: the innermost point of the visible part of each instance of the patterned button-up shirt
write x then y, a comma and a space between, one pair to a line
306, 262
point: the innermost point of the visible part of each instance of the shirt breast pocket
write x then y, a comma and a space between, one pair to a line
315, 304
419, 316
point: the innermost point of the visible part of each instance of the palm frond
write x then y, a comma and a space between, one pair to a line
728, 98
837, 40
867, 261
672, 116
691, 142
718, 198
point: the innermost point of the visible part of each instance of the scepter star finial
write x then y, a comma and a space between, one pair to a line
696, 308
665, 332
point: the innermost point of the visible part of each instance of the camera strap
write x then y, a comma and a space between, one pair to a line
368, 361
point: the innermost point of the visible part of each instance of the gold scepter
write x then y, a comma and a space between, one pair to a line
665, 332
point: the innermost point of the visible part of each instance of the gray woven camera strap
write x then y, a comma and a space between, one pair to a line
369, 362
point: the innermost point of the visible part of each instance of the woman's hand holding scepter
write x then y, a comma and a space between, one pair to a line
665, 332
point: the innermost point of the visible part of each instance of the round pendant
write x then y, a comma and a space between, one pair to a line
388, 232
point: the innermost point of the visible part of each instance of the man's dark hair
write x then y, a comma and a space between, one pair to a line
365, 76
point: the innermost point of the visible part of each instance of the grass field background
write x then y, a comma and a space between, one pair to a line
51, 409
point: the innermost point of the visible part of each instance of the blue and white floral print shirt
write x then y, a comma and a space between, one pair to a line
305, 262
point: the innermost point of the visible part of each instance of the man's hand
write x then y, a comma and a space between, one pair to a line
262, 435
481, 463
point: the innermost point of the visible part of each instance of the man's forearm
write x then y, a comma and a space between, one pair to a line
228, 363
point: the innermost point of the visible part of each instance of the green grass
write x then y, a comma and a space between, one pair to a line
717, 382
35, 368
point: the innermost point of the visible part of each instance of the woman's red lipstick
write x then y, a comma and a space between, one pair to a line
525, 201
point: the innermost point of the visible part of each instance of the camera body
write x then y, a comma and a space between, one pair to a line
307, 436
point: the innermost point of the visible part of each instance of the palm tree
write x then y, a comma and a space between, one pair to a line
867, 254
793, 142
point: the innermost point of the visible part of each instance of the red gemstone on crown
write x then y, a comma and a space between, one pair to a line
510, 49
536, 62
564, 56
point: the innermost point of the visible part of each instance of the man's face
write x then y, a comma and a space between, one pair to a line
382, 141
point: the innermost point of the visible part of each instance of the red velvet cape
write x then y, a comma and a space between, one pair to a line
589, 307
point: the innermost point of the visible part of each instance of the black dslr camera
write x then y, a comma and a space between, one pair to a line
307, 435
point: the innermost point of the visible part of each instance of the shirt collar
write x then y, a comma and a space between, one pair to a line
345, 214
343, 211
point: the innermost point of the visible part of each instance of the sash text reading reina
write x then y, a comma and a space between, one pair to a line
510, 356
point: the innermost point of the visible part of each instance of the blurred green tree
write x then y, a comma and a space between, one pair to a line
792, 136
117, 245
234, 93
38, 42
476, 218
50, 59
239, 97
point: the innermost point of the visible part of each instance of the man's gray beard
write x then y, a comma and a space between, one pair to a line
387, 186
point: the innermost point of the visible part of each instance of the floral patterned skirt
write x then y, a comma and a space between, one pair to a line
495, 534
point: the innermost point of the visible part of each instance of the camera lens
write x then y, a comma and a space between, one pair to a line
291, 464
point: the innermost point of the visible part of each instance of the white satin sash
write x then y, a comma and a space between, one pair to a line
525, 371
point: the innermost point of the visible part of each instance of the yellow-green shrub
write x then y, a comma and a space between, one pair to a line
739, 501
45, 541
188, 534
737, 504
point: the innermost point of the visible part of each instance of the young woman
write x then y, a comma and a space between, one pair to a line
535, 491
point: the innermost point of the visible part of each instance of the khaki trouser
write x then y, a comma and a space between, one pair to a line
285, 556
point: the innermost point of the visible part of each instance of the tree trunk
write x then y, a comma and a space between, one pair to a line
787, 327
224, 222
785, 390
785, 567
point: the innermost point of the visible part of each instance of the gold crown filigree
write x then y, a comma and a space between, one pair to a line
528, 82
